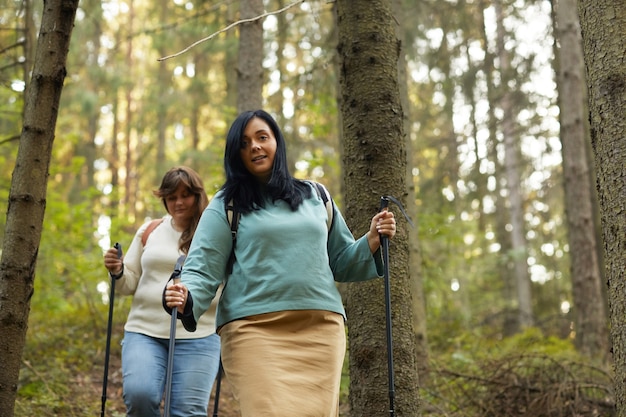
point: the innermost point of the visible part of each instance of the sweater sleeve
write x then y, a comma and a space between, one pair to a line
351, 260
187, 318
127, 284
205, 266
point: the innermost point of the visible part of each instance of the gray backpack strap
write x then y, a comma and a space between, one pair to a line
233, 217
323, 193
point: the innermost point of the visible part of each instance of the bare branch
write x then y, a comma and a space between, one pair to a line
232, 25
9, 139
15, 45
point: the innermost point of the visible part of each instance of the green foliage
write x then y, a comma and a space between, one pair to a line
63, 362
528, 374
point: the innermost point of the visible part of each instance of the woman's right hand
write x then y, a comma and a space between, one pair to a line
176, 296
112, 262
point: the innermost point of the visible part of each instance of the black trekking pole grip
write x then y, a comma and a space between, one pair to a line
384, 241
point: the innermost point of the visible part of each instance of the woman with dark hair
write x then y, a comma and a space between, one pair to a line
280, 316
143, 273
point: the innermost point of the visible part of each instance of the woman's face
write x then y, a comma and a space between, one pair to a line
181, 205
258, 149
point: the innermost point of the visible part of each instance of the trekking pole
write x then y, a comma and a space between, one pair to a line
384, 241
170, 354
108, 343
218, 383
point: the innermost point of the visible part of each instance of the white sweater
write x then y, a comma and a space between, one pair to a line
146, 272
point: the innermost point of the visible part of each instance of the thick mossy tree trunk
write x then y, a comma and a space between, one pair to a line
374, 158
603, 28
27, 198
587, 286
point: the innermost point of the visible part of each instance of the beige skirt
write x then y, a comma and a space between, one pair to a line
285, 364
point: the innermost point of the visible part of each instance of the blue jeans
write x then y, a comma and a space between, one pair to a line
144, 366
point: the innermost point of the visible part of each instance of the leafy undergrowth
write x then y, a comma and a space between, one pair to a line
63, 369
527, 375
63, 364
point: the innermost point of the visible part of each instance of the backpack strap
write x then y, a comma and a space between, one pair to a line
153, 225
233, 217
323, 193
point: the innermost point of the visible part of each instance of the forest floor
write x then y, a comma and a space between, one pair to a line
63, 365
70, 387
62, 372
228, 406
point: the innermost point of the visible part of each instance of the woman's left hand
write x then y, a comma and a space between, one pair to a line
384, 223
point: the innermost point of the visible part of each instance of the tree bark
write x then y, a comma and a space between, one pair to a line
27, 199
509, 323
592, 335
374, 158
163, 79
603, 28
519, 253
250, 61
415, 253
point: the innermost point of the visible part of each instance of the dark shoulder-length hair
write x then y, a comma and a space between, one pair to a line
242, 187
170, 183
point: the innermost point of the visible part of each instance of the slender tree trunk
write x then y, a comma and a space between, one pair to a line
592, 335
27, 198
375, 165
415, 254
511, 164
162, 104
230, 59
603, 27
250, 61
198, 93
510, 325
115, 164
29, 42
130, 184
275, 100
92, 114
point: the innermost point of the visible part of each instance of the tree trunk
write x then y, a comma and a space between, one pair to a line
163, 79
29, 42
518, 251
603, 27
250, 61
230, 59
590, 312
509, 323
275, 100
415, 254
375, 165
27, 199
129, 201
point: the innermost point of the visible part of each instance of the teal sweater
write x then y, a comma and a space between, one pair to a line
284, 260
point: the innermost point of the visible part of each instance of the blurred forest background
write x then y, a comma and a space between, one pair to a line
510, 312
